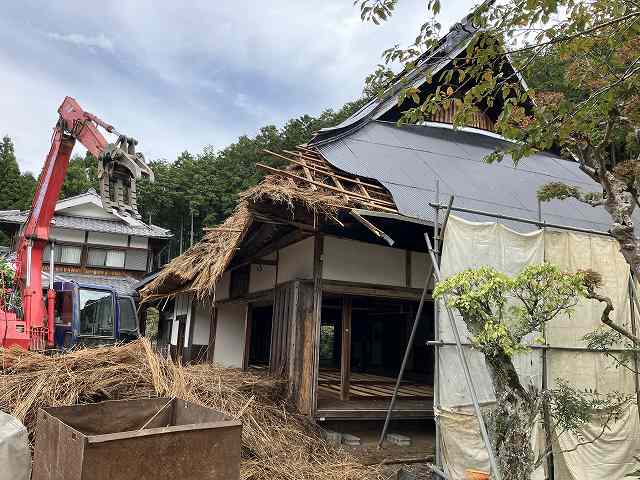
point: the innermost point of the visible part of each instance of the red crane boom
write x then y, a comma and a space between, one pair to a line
74, 124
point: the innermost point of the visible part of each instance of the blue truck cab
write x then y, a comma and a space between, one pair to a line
92, 315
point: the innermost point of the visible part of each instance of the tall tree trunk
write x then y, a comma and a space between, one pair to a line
512, 420
620, 203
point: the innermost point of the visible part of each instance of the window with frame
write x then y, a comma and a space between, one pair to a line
66, 254
96, 313
98, 257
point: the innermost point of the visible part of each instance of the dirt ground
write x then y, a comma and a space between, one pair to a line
421, 450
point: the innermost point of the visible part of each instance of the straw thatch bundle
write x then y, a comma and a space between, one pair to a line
276, 443
199, 268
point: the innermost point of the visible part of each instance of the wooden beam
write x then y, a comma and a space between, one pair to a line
371, 290
345, 350
247, 338
265, 262
285, 240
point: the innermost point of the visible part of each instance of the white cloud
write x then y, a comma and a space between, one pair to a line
184, 78
96, 41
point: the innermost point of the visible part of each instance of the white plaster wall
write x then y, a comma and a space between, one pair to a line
296, 261
353, 261
114, 239
230, 329
182, 307
223, 286
66, 235
262, 277
201, 324
139, 242
419, 264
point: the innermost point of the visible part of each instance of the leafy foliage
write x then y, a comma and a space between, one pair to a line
500, 310
9, 296
82, 174
16, 190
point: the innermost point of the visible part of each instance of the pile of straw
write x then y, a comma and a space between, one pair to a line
276, 444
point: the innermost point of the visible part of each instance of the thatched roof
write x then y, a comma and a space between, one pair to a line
308, 182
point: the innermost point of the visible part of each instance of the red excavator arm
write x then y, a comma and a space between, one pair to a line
73, 125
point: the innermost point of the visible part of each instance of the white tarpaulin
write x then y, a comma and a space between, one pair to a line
470, 245
15, 457
611, 455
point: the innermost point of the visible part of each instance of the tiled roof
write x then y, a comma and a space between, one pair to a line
90, 224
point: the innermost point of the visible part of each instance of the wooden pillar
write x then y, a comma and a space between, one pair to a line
213, 326
247, 337
318, 251
345, 357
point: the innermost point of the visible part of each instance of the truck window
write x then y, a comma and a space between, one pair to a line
128, 317
96, 313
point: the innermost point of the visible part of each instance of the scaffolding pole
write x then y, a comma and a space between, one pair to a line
465, 367
436, 358
408, 349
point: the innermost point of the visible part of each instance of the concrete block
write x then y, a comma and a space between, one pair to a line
334, 438
397, 439
350, 440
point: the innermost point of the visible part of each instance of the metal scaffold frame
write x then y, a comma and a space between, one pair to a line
433, 271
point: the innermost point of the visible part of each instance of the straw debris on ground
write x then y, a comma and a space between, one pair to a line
276, 443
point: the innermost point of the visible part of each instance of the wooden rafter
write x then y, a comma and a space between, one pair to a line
307, 168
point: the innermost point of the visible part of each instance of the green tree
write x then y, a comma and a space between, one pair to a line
82, 175
10, 184
499, 312
208, 183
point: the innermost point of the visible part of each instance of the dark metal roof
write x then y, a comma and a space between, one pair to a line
408, 160
124, 286
432, 61
90, 224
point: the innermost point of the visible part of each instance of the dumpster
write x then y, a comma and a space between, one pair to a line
154, 439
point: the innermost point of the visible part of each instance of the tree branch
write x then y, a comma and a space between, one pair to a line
604, 318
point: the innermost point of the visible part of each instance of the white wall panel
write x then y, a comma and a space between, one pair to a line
229, 347
66, 235
296, 261
262, 277
115, 239
352, 261
419, 264
223, 286
139, 242
201, 324
88, 210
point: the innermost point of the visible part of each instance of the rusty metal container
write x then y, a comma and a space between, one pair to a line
154, 439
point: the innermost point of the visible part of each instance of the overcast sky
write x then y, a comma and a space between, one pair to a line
181, 78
